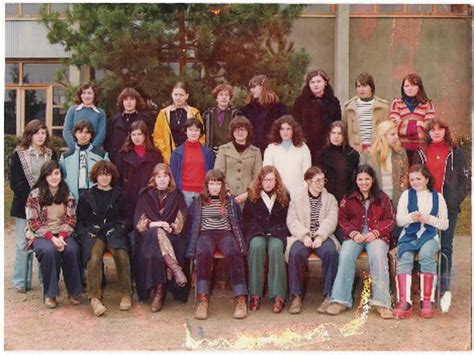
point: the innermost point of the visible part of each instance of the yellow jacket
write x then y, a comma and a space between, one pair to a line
162, 137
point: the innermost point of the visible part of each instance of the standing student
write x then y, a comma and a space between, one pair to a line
411, 113
288, 153
51, 217
363, 113
190, 161
33, 151
87, 99
262, 109
168, 132
77, 162
131, 108
217, 119
315, 109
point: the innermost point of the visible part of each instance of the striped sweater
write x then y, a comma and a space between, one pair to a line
410, 131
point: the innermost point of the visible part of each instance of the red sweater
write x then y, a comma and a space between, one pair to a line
194, 169
436, 155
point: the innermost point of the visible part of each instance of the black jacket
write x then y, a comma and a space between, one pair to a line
113, 229
257, 221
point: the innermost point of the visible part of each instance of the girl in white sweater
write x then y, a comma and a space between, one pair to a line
421, 211
288, 153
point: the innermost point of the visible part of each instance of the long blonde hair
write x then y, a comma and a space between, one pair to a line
380, 147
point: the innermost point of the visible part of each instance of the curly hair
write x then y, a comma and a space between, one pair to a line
297, 137
134, 94
141, 126
415, 79
257, 186
104, 167
85, 86
222, 87
32, 128
441, 124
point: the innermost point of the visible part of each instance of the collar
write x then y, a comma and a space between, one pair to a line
81, 106
32, 151
173, 107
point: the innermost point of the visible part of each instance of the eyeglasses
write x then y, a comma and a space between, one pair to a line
319, 181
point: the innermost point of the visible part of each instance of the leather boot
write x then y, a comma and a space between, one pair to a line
427, 291
203, 306
178, 274
403, 307
240, 307
157, 302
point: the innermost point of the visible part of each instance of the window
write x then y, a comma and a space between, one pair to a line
31, 10
442, 10
40, 73
10, 111
12, 73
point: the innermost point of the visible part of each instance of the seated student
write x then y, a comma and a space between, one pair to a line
312, 220
190, 161
77, 162
217, 119
366, 219
215, 222
264, 218
103, 224
51, 216
421, 211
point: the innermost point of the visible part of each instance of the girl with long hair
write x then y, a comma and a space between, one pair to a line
215, 223
25, 164
51, 217
264, 218
366, 219
421, 211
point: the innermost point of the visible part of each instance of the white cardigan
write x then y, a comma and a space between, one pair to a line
291, 164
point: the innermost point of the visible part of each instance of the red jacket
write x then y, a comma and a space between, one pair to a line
381, 216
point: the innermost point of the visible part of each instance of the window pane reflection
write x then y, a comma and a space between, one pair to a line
58, 116
10, 112
40, 73
31, 9
35, 105
11, 73
12, 10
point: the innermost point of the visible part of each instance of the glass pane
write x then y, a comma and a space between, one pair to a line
59, 96
31, 9
99, 74
11, 73
10, 112
362, 8
389, 8
58, 7
58, 132
12, 10
312, 8
35, 105
419, 8
58, 116
40, 73
458, 9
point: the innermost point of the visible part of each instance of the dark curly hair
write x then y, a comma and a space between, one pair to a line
297, 138
104, 167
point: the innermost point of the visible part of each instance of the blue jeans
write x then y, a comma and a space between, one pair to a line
188, 197
426, 258
378, 263
447, 238
21, 256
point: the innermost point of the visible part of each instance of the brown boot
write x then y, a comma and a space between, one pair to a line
97, 307
157, 302
240, 307
203, 306
178, 274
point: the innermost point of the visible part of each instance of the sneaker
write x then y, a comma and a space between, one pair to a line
240, 307
203, 306
126, 303
296, 305
335, 308
446, 301
385, 313
97, 307
50, 302
324, 306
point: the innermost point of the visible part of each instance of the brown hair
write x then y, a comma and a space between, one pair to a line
86, 86
222, 87
441, 124
130, 92
142, 127
297, 137
328, 91
257, 186
193, 122
268, 96
81, 125
181, 85
415, 79
32, 128
312, 172
239, 122
104, 167
343, 126
366, 79
423, 170
162, 167
214, 175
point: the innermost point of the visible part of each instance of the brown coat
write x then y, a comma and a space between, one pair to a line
349, 115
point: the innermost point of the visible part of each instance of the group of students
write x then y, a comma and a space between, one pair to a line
171, 191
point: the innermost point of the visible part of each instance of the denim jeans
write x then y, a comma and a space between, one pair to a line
378, 264
426, 258
447, 238
188, 197
21, 256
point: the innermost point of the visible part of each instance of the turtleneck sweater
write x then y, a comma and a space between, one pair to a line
436, 155
194, 170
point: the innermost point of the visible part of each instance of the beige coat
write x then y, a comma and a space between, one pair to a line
239, 169
349, 115
298, 220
